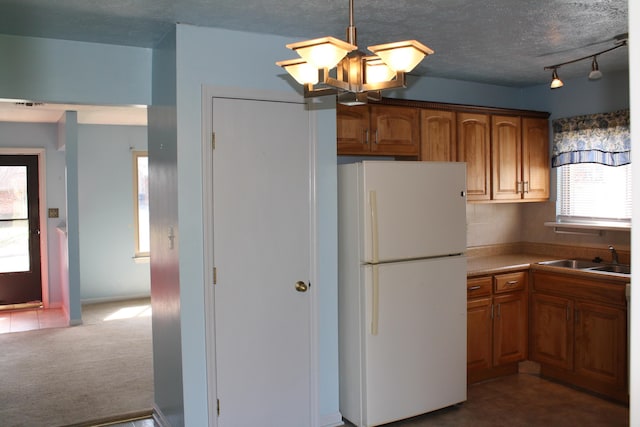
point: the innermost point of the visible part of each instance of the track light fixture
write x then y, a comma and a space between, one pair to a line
357, 76
595, 73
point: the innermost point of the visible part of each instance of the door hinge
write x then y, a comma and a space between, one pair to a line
215, 275
213, 140
218, 407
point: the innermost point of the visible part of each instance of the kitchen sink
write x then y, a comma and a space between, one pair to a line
614, 268
580, 264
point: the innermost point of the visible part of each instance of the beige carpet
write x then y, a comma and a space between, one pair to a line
63, 376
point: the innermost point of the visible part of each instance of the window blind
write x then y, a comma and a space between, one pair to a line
593, 192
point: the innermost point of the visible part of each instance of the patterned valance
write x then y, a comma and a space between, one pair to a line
595, 138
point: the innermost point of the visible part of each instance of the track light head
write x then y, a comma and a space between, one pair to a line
595, 73
555, 80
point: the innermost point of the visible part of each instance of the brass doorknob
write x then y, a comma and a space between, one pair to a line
301, 286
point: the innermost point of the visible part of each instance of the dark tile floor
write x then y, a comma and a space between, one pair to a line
521, 400
524, 400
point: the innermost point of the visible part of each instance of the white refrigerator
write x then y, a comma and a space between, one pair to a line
401, 289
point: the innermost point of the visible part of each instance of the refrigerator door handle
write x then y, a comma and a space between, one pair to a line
375, 300
373, 207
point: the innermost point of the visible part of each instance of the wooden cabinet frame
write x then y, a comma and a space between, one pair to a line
579, 333
497, 324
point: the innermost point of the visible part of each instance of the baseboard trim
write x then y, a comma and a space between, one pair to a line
115, 419
159, 417
331, 420
115, 299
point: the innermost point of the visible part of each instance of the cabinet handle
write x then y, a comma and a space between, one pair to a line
376, 140
512, 283
526, 186
473, 288
519, 185
366, 137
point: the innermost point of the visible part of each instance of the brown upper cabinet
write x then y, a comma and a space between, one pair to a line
438, 136
520, 153
535, 158
474, 148
506, 150
379, 130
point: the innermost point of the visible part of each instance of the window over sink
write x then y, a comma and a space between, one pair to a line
591, 192
592, 157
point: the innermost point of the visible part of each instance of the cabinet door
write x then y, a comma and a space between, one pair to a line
535, 158
479, 332
395, 131
438, 136
601, 350
510, 328
474, 148
552, 330
352, 129
506, 146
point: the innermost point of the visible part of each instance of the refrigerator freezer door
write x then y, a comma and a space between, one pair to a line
417, 361
412, 210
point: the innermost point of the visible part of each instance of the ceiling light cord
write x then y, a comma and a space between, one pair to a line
595, 73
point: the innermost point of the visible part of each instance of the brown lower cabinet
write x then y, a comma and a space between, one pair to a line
496, 325
579, 332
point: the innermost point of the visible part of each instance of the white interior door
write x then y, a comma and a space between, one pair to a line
261, 249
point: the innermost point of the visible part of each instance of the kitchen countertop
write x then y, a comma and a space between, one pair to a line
496, 264
491, 264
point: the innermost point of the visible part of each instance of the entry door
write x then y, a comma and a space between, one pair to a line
261, 244
19, 230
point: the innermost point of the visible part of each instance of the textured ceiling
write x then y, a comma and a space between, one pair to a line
504, 42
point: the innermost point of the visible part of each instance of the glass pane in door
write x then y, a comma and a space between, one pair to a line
14, 219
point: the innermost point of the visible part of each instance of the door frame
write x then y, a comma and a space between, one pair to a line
42, 195
208, 93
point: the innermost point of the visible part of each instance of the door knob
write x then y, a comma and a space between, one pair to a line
301, 286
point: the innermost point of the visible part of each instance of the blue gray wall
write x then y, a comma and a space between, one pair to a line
62, 71
105, 174
106, 205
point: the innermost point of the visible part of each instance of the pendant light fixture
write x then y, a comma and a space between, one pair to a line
329, 66
595, 73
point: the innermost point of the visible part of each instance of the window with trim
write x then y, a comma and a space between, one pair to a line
592, 155
141, 203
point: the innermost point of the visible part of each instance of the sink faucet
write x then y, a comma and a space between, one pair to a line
614, 255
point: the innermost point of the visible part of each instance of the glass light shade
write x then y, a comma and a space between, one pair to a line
595, 73
324, 52
300, 70
401, 56
555, 81
376, 71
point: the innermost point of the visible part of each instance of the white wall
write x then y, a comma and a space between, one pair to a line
634, 85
